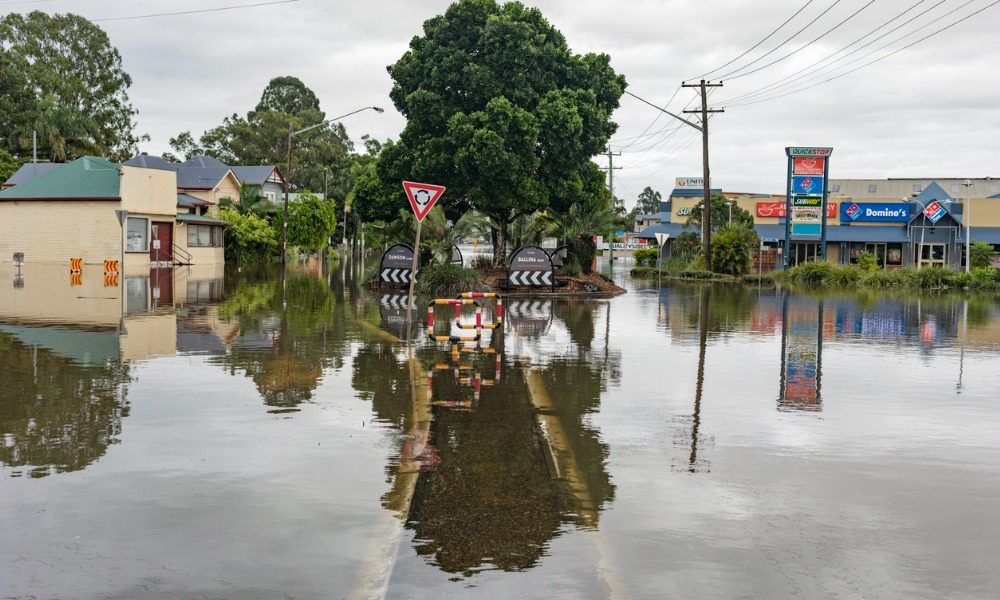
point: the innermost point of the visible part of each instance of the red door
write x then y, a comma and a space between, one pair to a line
161, 248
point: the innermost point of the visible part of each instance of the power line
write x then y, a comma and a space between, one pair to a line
928, 36
191, 12
815, 67
813, 41
772, 50
754, 47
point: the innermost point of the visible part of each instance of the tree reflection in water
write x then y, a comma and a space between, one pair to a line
291, 329
502, 485
57, 415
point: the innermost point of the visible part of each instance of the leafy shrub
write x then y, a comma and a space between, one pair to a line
646, 257
571, 268
447, 279
868, 261
934, 276
676, 264
811, 273
482, 261
981, 254
848, 276
732, 249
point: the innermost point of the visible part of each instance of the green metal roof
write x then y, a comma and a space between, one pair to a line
87, 178
188, 201
189, 218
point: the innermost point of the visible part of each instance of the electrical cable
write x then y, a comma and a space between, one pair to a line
191, 12
754, 47
810, 43
818, 65
881, 58
772, 50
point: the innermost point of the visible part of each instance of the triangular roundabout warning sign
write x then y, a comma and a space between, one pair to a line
422, 197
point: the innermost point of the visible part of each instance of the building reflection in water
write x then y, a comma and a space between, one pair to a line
67, 341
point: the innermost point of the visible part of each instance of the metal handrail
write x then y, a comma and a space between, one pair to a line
183, 254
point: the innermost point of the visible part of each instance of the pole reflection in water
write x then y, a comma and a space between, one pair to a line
693, 465
801, 354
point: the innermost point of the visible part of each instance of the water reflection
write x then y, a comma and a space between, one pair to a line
64, 398
290, 328
802, 329
506, 456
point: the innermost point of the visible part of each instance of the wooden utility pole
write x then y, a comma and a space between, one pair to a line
611, 188
706, 219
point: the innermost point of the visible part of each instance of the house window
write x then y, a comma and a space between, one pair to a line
872, 188
917, 188
136, 236
271, 196
204, 236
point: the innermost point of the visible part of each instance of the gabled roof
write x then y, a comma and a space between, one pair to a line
188, 201
933, 192
87, 178
29, 171
254, 175
150, 162
203, 162
201, 179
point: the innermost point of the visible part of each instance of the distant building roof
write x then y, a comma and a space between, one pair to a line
196, 178
253, 175
87, 178
29, 171
203, 162
150, 162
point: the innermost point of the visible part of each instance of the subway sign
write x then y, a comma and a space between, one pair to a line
870, 212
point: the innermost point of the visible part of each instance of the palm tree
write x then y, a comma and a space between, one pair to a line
63, 132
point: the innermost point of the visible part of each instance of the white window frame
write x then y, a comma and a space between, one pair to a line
129, 241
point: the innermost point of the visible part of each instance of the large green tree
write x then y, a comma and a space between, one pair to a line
261, 137
68, 60
501, 112
647, 203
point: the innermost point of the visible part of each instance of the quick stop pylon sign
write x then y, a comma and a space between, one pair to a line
422, 197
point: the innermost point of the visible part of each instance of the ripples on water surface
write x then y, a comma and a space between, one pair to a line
246, 438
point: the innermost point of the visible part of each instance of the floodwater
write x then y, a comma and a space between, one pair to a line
253, 436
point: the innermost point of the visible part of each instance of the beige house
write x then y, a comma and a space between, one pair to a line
89, 208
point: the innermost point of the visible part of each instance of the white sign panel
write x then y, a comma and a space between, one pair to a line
697, 183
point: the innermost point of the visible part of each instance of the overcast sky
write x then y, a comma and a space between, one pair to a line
931, 110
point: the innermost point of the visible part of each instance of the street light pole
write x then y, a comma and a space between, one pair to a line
288, 171
968, 224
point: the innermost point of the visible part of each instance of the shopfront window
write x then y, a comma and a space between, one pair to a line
136, 237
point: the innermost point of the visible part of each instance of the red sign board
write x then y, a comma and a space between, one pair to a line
422, 197
771, 209
777, 209
808, 165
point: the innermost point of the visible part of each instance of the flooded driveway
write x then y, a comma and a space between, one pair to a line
190, 435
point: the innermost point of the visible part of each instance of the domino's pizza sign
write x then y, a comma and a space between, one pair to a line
934, 211
884, 212
530, 265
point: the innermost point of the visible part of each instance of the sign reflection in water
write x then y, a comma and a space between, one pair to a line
801, 353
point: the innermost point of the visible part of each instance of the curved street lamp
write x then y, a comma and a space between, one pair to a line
288, 172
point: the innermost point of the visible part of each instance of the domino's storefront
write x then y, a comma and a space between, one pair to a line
900, 234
